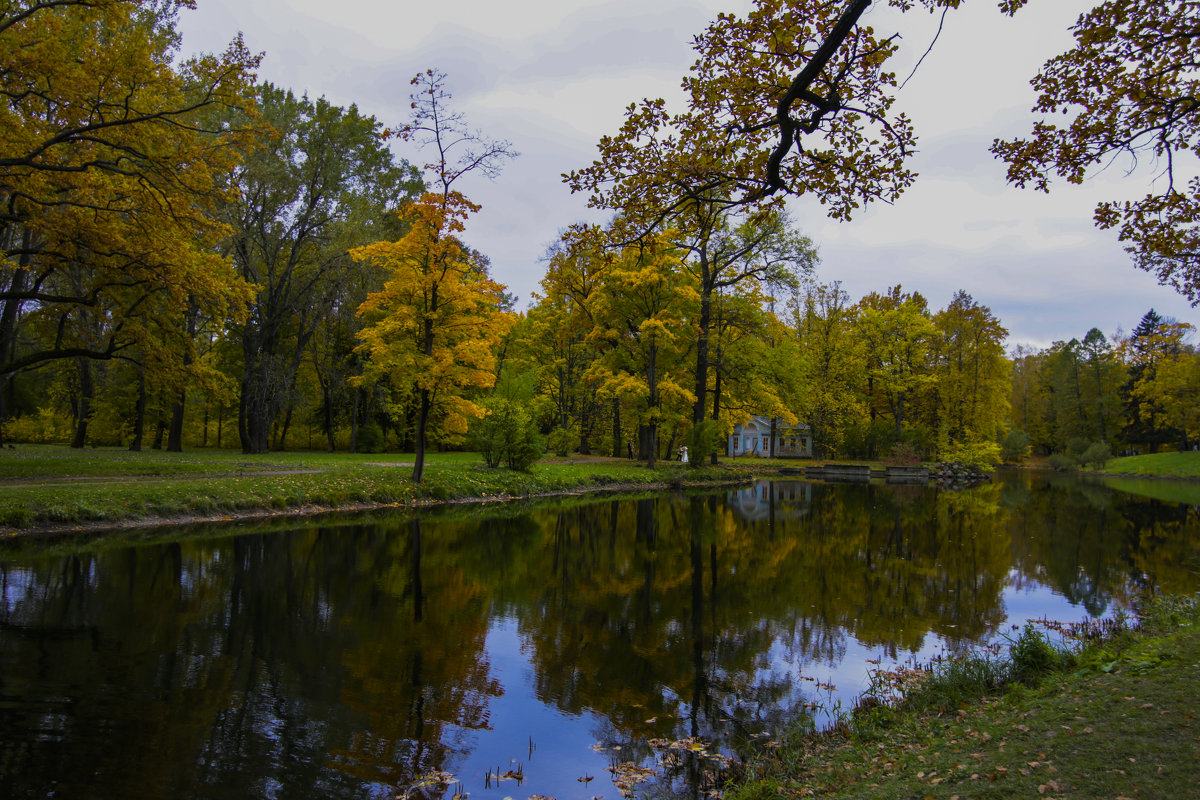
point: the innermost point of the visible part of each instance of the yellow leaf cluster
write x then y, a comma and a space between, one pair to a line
112, 161
437, 322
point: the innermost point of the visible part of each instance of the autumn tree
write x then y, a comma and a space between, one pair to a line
791, 99
823, 321
972, 373
1128, 88
898, 336
1173, 386
434, 325
562, 323
1026, 398
759, 367
641, 314
1070, 391
758, 254
1156, 342
110, 171
320, 183
433, 328
1103, 375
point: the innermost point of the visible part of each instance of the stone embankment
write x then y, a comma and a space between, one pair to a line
955, 475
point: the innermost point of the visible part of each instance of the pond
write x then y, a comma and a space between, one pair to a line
532, 650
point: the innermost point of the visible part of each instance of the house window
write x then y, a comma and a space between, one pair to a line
735, 443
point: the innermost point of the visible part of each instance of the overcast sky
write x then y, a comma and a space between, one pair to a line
552, 76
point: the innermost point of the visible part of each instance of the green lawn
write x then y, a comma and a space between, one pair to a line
54, 486
1157, 465
60, 461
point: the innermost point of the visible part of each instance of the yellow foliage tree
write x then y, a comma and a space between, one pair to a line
898, 335
111, 162
437, 322
1168, 380
972, 373
642, 314
435, 325
835, 364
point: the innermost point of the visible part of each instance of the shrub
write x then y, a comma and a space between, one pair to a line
921, 438
47, 426
974, 454
904, 454
507, 435
370, 438
561, 441
1062, 462
1075, 447
1031, 657
1079, 453
525, 447
703, 441
1096, 455
1014, 446
868, 439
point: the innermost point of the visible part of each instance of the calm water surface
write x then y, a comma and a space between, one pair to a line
350, 659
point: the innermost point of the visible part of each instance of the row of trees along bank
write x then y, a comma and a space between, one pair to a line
195, 256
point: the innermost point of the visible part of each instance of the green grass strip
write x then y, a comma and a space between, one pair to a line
56, 487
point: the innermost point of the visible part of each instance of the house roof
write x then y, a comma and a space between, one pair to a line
759, 424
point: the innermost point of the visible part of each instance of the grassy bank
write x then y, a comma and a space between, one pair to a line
1157, 465
45, 486
1117, 719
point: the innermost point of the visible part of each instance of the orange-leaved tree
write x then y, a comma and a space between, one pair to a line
435, 326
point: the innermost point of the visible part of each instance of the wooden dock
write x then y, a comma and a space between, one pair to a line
840, 473
860, 473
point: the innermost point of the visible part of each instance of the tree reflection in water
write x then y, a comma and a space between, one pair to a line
350, 660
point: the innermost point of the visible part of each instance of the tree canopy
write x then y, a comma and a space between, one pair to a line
1130, 87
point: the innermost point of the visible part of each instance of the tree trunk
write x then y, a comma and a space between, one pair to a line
328, 390
175, 434
585, 426
704, 323
139, 412
86, 391
8, 323
616, 428
425, 400
281, 442
422, 422
771, 446
652, 401
354, 420
259, 403
257, 412
160, 428
716, 409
